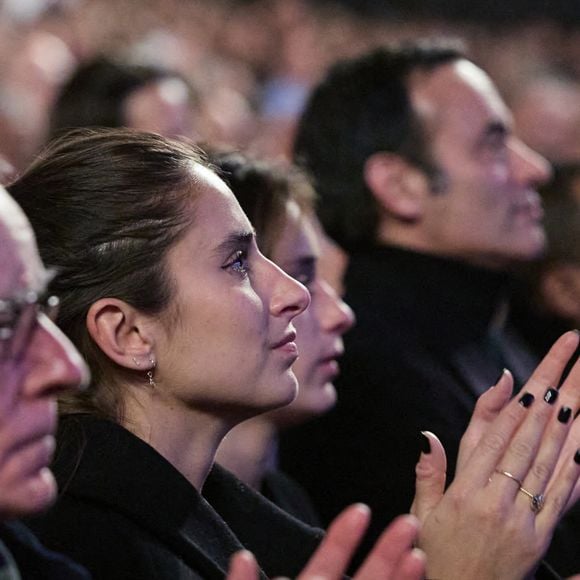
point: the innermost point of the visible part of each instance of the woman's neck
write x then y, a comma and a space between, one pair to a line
187, 438
250, 450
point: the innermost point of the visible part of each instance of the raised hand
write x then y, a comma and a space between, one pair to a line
392, 558
515, 476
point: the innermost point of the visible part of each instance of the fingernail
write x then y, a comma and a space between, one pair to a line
363, 510
577, 457
425, 444
564, 415
551, 396
503, 372
526, 400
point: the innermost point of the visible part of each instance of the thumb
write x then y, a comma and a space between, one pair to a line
243, 566
429, 476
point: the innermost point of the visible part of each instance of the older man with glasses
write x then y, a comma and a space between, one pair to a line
37, 363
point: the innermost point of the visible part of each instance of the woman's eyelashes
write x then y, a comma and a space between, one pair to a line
239, 263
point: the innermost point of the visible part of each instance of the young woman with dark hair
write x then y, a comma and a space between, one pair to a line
279, 202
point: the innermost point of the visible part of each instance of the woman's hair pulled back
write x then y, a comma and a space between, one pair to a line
106, 206
264, 189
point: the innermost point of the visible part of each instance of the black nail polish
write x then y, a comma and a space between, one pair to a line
425, 444
577, 457
551, 396
564, 414
526, 400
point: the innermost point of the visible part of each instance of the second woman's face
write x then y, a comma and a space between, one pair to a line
320, 328
231, 346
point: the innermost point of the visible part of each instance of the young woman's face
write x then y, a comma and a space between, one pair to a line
320, 328
231, 347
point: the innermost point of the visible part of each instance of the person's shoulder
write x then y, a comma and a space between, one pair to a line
22, 551
106, 542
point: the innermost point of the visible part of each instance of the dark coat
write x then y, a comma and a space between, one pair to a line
126, 513
423, 349
289, 495
22, 550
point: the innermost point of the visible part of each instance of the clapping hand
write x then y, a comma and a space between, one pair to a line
392, 558
518, 469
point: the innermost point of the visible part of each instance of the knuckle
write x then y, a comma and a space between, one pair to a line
457, 499
555, 438
493, 442
521, 449
541, 470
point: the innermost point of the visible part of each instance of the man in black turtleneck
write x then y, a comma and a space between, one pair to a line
423, 183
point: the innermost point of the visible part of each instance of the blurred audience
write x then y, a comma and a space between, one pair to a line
547, 116
105, 93
547, 301
252, 63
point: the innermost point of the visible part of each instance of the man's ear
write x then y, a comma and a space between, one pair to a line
560, 287
399, 187
119, 331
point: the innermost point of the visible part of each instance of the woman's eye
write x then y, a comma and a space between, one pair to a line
239, 263
496, 145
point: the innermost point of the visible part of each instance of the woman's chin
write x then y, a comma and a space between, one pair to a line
307, 406
288, 391
318, 401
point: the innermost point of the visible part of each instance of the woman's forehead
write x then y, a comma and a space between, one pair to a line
206, 177
217, 215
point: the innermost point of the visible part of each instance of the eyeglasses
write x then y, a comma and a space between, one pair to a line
19, 318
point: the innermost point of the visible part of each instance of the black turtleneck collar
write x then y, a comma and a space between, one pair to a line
444, 298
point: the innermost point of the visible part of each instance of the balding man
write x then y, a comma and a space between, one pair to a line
37, 363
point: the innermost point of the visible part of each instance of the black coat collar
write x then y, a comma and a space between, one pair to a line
104, 463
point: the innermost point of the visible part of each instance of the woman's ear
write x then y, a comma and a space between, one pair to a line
399, 187
119, 331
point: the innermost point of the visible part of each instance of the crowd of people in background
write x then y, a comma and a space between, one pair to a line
251, 64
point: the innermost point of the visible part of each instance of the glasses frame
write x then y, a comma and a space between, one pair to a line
19, 318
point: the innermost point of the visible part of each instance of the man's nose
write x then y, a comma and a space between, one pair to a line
55, 365
530, 168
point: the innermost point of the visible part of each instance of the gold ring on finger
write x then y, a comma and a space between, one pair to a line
510, 475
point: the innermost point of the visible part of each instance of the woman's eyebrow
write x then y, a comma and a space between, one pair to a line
234, 242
